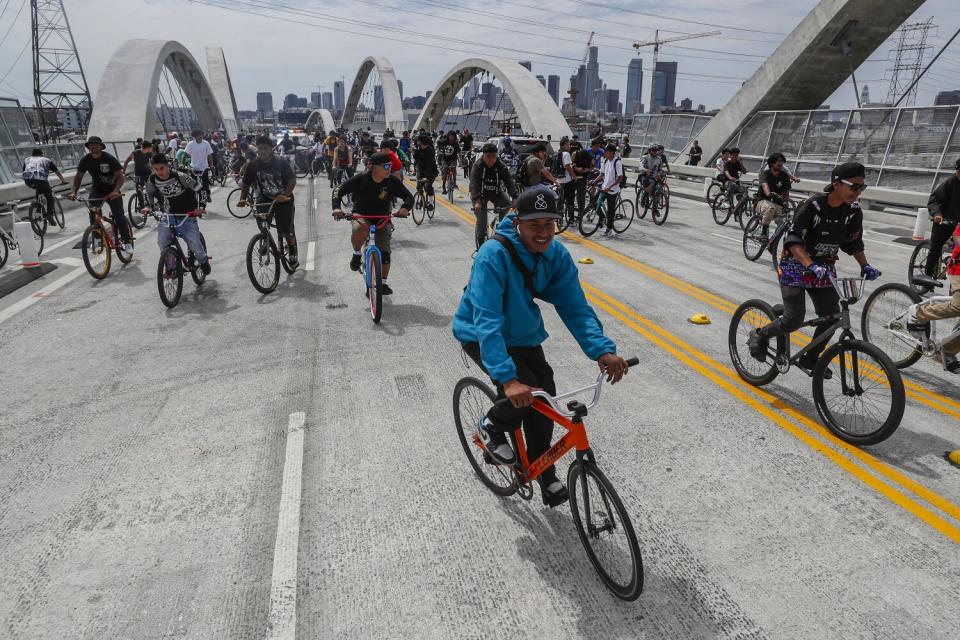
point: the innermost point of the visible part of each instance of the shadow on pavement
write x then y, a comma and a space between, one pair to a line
398, 318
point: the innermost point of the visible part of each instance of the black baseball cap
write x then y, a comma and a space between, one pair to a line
537, 203
489, 147
380, 158
846, 171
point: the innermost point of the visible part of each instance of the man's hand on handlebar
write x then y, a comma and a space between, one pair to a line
282, 197
519, 394
614, 366
403, 213
72, 195
113, 195
338, 214
242, 203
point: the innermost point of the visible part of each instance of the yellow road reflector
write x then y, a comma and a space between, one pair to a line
585, 261
699, 318
954, 457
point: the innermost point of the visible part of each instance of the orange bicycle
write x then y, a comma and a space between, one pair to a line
598, 513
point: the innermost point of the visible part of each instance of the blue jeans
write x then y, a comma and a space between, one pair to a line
189, 231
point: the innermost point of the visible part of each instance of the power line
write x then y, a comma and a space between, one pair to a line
684, 20
19, 55
13, 24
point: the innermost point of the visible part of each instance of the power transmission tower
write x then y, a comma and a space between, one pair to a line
908, 60
58, 79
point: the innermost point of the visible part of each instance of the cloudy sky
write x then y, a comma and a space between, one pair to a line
299, 46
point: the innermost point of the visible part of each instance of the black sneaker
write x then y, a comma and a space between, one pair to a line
292, 260
386, 290
808, 363
553, 492
355, 262
496, 444
758, 345
205, 268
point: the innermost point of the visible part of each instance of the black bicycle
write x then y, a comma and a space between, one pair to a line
918, 262
136, 203
38, 214
496, 216
863, 404
173, 262
264, 254
658, 200
424, 204
741, 206
756, 240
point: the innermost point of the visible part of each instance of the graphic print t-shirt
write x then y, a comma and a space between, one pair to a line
270, 177
102, 170
38, 168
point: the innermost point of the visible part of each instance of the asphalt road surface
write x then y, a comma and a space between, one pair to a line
249, 466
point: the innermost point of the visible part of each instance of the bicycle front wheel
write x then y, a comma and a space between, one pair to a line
754, 239
58, 213
753, 314
170, 277
137, 219
471, 401
263, 265
38, 218
232, 199
419, 209
624, 216
662, 208
918, 261
375, 286
4, 251
431, 205
884, 323
863, 402
721, 210
590, 221
96, 251
605, 530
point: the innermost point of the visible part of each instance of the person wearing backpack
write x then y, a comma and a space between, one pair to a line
563, 169
536, 172
181, 195
610, 181
500, 326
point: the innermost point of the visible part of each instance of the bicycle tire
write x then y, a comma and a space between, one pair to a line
626, 585
431, 205
38, 240
721, 210
754, 242
563, 223
887, 376
637, 188
58, 214
750, 315
875, 323
589, 222
266, 258
624, 216
95, 249
659, 215
170, 276
500, 480
742, 215
375, 290
637, 204
917, 264
712, 191
137, 219
419, 209
284, 253
4, 251
232, 199
38, 218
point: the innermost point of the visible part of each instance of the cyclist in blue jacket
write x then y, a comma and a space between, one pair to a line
501, 328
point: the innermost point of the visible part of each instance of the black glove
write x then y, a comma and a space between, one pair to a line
777, 199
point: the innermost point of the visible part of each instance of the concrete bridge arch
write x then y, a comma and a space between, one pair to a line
392, 103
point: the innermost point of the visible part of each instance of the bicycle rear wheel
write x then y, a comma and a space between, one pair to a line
720, 208
624, 215
96, 251
4, 251
863, 403
263, 265
431, 205
38, 218
232, 199
662, 210
590, 221
605, 530
918, 261
375, 286
419, 209
754, 239
58, 213
471, 401
884, 323
753, 314
137, 219
170, 277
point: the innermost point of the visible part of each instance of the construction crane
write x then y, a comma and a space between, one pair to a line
656, 43
574, 92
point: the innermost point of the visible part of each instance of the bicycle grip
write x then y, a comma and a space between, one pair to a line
633, 362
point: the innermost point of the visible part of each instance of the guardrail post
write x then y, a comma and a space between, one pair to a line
922, 224
23, 234
706, 187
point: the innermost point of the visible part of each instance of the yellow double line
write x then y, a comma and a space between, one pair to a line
872, 473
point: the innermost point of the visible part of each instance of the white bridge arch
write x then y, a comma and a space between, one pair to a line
320, 119
392, 103
126, 104
538, 113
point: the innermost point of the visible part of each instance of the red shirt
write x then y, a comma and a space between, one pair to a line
954, 267
395, 164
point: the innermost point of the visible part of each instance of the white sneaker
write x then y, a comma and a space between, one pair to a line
608, 233
916, 328
128, 248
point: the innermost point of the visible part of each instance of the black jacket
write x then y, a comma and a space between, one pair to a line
489, 180
945, 200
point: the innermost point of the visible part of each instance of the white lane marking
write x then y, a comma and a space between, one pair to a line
63, 242
68, 262
314, 204
310, 251
887, 243
737, 240
283, 589
20, 305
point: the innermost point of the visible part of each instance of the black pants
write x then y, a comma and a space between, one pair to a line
498, 199
116, 212
580, 188
612, 202
569, 197
938, 237
825, 302
43, 187
532, 370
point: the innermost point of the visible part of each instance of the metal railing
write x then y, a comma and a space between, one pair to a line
673, 130
66, 155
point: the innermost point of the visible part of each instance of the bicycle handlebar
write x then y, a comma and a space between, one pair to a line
553, 401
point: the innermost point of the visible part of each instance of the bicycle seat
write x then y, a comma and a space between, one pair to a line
926, 281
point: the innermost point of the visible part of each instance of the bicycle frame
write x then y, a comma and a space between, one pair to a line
99, 217
933, 344
371, 243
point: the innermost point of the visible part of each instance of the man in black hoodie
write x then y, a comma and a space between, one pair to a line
944, 207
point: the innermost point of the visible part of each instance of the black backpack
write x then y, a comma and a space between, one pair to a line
557, 168
521, 175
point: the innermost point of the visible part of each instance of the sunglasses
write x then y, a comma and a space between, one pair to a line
388, 166
854, 186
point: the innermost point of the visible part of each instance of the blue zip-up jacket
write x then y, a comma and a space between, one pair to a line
498, 312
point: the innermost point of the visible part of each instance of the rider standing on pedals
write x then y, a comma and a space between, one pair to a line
373, 193
425, 163
823, 225
36, 168
201, 155
275, 182
181, 195
448, 150
489, 179
501, 327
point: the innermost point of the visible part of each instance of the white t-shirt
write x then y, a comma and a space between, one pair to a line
198, 152
719, 164
612, 170
564, 178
